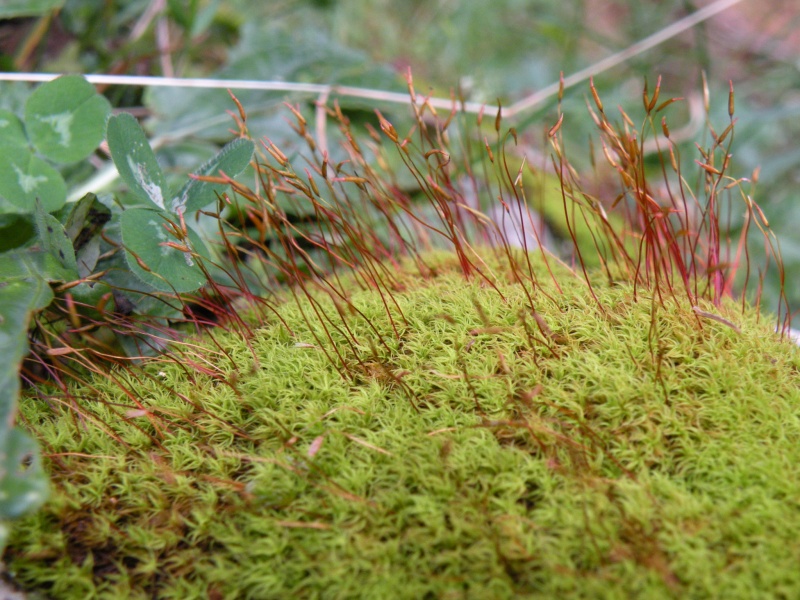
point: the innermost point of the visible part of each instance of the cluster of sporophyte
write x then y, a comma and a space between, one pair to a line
480, 421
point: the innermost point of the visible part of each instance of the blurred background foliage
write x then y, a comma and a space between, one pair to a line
501, 50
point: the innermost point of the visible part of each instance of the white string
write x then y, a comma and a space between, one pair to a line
396, 97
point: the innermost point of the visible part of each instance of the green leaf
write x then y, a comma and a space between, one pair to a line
135, 161
32, 263
23, 481
12, 131
66, 118
10, 9
53, 239
25, 177
182, 12
89, 295
167, 269
15, 230
87, 256
231, 161
86, 220
204, 18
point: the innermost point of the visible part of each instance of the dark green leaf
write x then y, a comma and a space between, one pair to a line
87, 257
15, 230
88, 295
86, 220
53, 239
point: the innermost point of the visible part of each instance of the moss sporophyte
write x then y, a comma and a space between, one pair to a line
392, 421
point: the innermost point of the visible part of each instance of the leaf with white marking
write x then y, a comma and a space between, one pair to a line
231, 161
12, 131
146, 235
25, 177
66, 118
134, 159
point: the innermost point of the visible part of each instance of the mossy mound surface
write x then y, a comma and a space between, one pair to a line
465, 458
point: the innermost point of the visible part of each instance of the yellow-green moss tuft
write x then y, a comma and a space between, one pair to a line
605, 455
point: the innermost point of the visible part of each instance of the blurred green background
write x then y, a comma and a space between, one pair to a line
504, 49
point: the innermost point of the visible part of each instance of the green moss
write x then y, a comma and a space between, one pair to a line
594, 465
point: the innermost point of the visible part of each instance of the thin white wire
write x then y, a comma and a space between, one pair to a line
518, 107
245, 84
